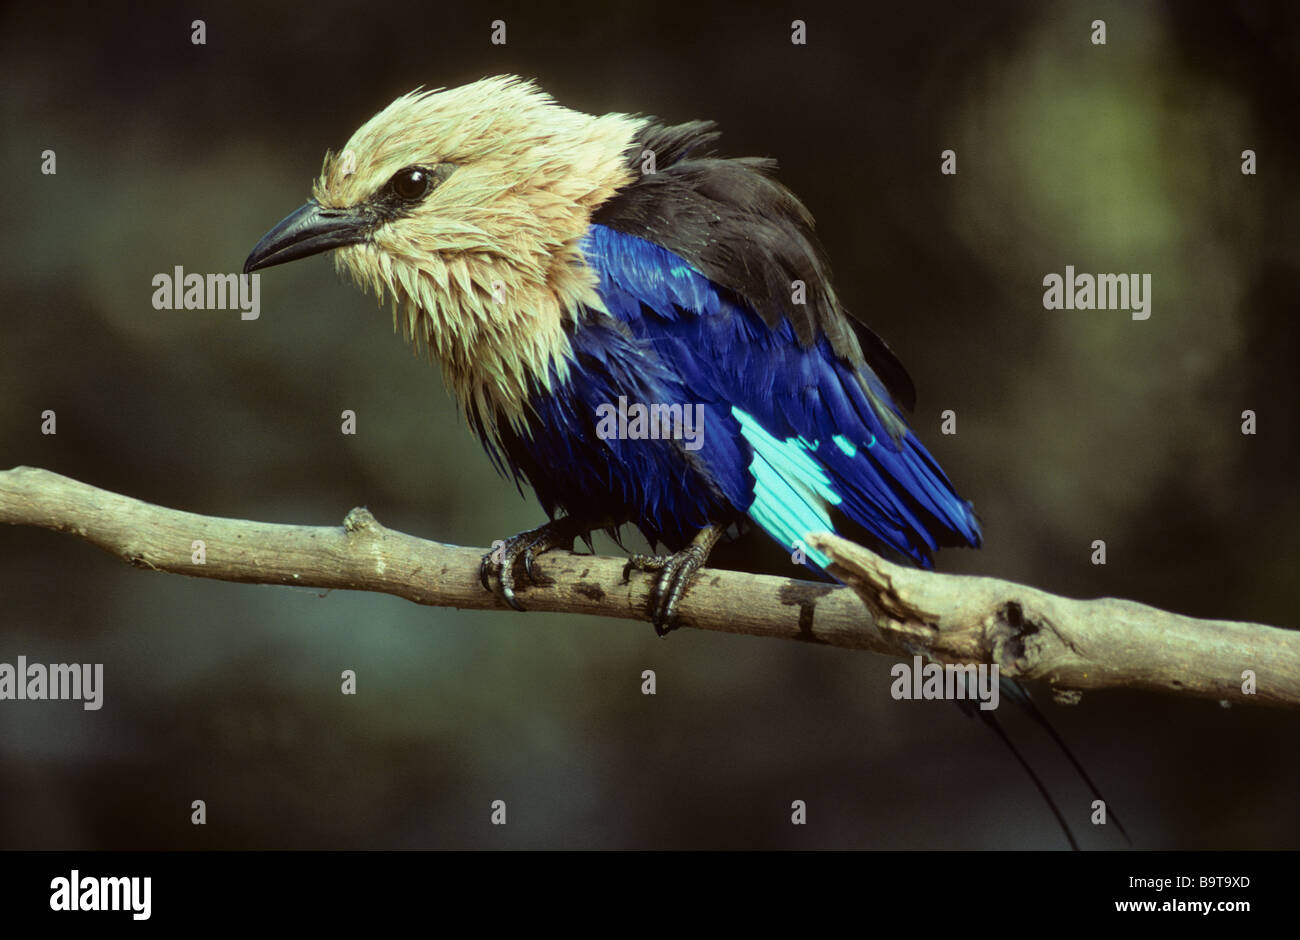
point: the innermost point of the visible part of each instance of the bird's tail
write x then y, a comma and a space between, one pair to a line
1020, 695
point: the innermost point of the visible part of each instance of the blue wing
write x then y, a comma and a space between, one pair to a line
809, 438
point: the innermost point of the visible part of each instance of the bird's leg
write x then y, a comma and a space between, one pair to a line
500, 562
676, 571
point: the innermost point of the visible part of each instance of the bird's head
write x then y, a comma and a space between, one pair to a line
465, 207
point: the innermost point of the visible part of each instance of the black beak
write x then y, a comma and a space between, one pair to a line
309, 230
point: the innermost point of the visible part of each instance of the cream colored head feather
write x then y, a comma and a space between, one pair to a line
486, 269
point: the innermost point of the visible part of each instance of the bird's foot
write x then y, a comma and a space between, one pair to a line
676, 572
500, 562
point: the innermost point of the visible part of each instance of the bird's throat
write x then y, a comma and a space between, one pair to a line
500, 337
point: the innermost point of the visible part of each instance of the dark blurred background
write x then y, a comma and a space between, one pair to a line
1072, 426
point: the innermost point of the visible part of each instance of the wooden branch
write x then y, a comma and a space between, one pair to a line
1029, 633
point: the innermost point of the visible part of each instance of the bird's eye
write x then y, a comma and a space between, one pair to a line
411, 183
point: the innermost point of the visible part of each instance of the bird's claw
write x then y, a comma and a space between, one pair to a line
640, 562
676, 572
531, 553
501, 560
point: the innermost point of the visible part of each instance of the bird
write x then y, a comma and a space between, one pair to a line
561, 267
528, 249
